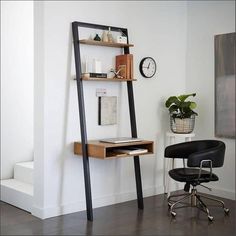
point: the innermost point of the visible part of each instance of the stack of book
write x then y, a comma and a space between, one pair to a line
124, 64
94, 75
130, 150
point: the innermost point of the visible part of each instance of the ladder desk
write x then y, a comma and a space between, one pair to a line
95, 148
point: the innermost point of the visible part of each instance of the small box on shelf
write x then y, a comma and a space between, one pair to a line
121, 39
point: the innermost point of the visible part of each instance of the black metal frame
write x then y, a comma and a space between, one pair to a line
84, 141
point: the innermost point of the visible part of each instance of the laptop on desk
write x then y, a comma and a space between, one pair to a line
120, 140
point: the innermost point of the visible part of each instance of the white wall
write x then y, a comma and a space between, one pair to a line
157, 29
16, 84
206, 19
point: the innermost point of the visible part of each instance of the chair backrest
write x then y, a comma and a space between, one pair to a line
213, 150
196, 151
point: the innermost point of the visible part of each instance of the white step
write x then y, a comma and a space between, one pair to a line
23, 171
17, 193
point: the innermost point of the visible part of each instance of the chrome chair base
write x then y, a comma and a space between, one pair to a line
196, 201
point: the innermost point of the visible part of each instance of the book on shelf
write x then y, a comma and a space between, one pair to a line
94, 75
130, 150
124, 63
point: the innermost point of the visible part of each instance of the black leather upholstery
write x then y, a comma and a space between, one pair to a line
190, 175
195, 152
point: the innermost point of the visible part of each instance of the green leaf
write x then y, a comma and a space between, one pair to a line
173, 108
172, 100
185, 104
179, 107
183, 97
193, 105
187, 112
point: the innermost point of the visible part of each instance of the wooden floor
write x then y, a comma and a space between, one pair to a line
123, 219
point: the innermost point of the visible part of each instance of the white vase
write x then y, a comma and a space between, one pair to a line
109, 36
104, 36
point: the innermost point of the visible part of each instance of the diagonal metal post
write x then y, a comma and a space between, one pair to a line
87, 183
137, 170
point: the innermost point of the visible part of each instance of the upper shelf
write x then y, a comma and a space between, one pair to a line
105, 44
108, 79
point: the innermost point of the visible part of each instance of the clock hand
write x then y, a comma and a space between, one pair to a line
148, 65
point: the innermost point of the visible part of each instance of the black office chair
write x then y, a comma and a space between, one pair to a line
199, 154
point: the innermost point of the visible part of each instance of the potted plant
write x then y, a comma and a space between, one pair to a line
182, 116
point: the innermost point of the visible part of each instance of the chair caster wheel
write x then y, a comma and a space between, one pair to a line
173, 213
210, 218
226, 210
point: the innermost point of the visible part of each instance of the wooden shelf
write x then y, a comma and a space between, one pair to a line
103, 150
105, 44
108, 79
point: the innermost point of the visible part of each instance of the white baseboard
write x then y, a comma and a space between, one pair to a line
44, 213
118, 198
224, 193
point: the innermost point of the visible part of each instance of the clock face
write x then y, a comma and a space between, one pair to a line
147, 67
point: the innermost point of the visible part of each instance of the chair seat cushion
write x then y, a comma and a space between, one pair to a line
190, 175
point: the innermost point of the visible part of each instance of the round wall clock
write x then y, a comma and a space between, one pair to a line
147, 67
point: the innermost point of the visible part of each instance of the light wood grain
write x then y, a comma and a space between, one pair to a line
103, 150
104, 44
108, 79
